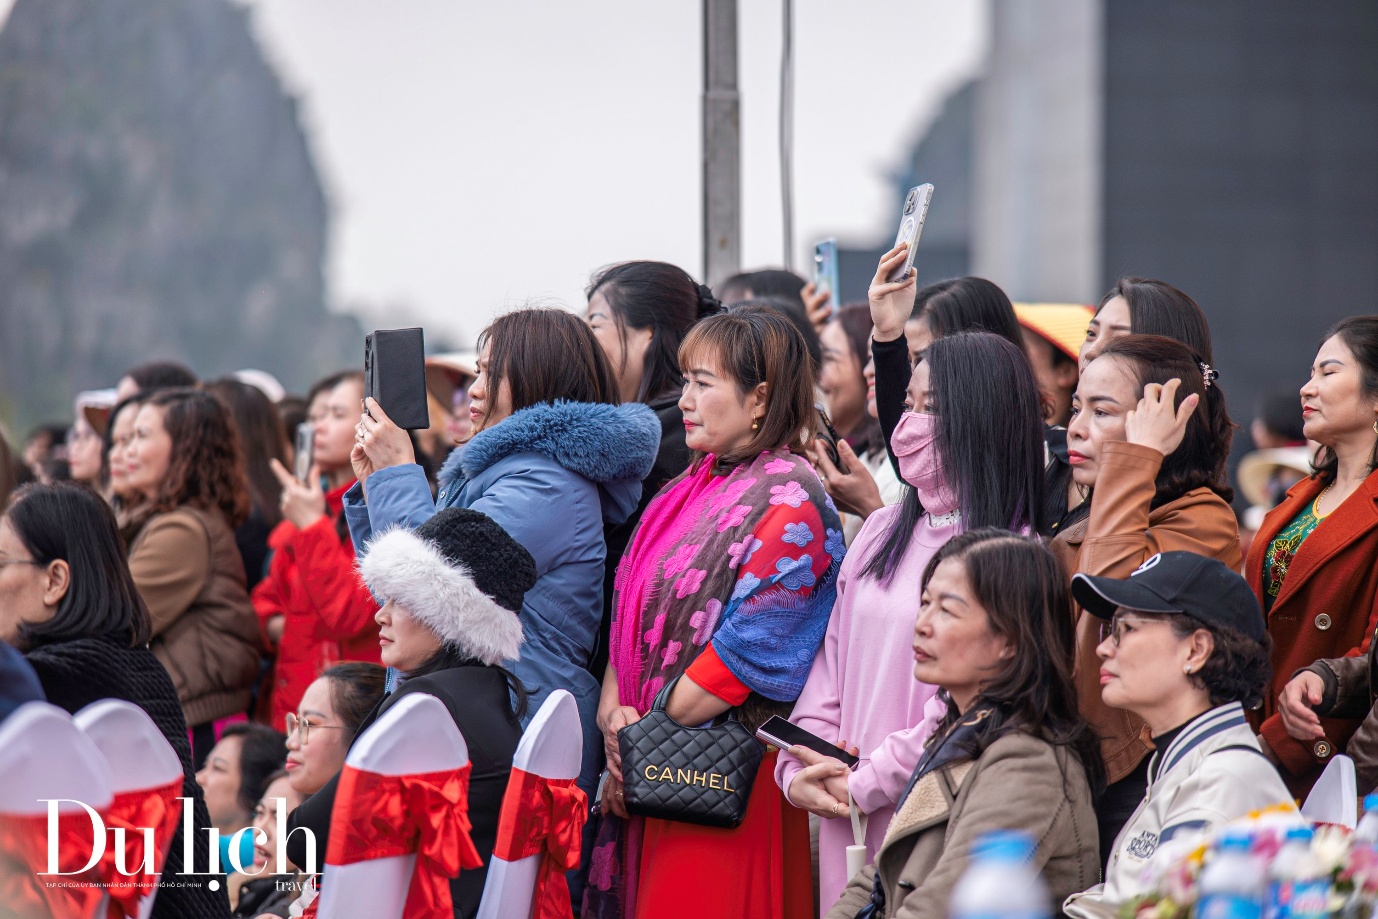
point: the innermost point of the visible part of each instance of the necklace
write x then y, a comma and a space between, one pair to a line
1316, 505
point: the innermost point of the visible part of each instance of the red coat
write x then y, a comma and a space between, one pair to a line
327, 611
1327, 608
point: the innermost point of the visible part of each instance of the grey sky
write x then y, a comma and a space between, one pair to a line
480, 155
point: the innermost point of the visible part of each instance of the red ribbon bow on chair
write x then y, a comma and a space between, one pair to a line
543, 815
136, 811
24, 853
381, 816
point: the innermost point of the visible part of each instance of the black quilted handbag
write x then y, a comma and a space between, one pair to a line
694, 775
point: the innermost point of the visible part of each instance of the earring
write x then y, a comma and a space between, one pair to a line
756, 424
1187, 670
1375, 427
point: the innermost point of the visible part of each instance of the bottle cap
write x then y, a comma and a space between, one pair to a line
1299, 832
1004, 845
1236, 841
1370, 802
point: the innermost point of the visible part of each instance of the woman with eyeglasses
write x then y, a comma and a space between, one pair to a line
1185, 650
331, 711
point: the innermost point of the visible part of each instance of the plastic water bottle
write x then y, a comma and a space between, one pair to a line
1000, 882
1232, 886
1367, 830
1297, 887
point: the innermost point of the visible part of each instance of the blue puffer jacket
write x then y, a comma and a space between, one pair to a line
552, 475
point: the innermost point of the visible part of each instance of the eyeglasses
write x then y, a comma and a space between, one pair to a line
293, 722
1118, 627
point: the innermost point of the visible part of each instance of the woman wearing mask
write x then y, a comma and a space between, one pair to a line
847, 382
233, 779
452, 590
969, 390
640, 312
312, 607
184, 466
68, 602
994, 632
338, 702
553, 444
1184, 649
728, 584
1314, 562
1148, 440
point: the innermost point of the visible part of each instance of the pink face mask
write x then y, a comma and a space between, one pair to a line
916, 448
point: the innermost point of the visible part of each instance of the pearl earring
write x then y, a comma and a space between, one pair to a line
755, 424
1187, 670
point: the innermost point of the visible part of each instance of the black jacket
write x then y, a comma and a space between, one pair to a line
76, 673
479, 702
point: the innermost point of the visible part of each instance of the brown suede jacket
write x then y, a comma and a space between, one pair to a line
1349, 693
1122, 532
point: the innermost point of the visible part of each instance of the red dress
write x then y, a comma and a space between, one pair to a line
327, 611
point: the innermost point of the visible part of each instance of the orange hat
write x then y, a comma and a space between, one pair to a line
447, 372
1063, 324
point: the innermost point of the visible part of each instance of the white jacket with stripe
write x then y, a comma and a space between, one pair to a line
1211, 773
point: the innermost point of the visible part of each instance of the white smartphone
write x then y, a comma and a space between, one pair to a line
911, 227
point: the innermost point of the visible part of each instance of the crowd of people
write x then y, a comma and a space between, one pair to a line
986, 550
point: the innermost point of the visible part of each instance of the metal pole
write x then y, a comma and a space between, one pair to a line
722, 170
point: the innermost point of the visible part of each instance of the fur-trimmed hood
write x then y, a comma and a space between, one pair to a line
613, 446
403, 566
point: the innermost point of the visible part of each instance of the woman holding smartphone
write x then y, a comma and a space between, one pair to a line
968, 391
994, 632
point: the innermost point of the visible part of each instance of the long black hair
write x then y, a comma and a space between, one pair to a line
72, 523
989, 438
660, 297
1027, 600
966, 305
1360, 336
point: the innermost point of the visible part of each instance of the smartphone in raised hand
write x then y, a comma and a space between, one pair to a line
306, 451
825, 273
911, 227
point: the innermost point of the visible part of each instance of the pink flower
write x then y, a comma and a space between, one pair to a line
690, 583
729, 495
670, 654
778, 466
736, 516
604, 866
657, 631
741, 552
704, 621
653, 688
791, 493
680, 560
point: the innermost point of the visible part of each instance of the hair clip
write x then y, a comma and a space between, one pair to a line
1208, 373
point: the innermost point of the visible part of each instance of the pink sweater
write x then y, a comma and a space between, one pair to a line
862, 689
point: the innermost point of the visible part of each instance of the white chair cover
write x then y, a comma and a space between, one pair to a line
551, 747
44, 755
415, 736
1334, 798
138, 754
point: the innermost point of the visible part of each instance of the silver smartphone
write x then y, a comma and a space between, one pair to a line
911, 227
306, 451
825, 272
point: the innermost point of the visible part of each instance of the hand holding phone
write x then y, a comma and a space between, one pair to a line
306, 451
784, 735
828, 434
912, 218
825, 277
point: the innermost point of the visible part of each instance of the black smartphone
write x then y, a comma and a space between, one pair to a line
830, 437
785, 735
911, 227
395, 376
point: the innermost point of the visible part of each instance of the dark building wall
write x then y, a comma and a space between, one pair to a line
1241, 164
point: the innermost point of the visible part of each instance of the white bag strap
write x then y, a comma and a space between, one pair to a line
857, 856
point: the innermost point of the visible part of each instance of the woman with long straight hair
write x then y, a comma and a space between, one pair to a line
994, 631
555, 459
968, 391
1148, 440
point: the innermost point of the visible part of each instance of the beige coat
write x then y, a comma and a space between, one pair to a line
1018, 783
191, 577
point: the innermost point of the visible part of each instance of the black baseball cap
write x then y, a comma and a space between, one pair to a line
1177, 582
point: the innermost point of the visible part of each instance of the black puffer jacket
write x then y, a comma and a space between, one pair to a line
76, 673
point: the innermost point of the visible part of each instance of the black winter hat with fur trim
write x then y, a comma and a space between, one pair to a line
460, 574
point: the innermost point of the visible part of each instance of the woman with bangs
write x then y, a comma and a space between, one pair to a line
725, 592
